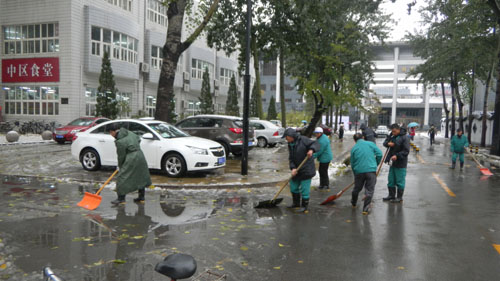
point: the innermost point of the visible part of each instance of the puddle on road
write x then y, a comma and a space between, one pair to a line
122, 243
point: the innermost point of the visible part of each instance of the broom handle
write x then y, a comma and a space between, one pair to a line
106, 183
382, 162
474, 158
283, 187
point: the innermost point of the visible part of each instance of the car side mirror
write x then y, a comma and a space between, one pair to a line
148, 136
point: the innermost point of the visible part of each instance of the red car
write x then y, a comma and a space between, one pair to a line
66, 133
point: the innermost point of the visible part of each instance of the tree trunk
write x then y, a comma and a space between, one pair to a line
256, 66
446, 111
460, 105
282, 90
453, 107
318, 113
471, 104
172, 50
495, 142
485, 103
337, 109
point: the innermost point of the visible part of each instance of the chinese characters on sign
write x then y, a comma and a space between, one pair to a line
30, 70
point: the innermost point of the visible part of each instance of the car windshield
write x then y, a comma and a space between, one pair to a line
81, 122
382, 128
167, 131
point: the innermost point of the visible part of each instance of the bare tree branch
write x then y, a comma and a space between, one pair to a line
200, 28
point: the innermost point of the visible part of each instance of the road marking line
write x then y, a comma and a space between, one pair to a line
443, 185
497, 247
420, 158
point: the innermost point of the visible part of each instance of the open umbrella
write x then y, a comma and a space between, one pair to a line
413, 124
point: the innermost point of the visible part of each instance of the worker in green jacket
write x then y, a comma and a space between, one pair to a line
365, 158
133, 171
458, 145
324, 156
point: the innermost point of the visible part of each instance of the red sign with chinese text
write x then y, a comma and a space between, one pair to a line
30, 70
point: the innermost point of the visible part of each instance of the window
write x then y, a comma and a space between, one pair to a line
119, 46
156, 57
157, 12
273, 87
138, 129
288, 100
90, 101
199, 66
226, 75
269, 68
263, 87
151, 106
189, 123
124, 107
264, 99
257, 126
124, 4
31, 100
31, 39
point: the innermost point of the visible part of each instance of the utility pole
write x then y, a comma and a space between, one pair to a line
246, 92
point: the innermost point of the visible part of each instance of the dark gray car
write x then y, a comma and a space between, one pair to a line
226, 130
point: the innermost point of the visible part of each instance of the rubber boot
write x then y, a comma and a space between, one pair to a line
305, 205
453, 165
354, 200
461, 166
119, 200
140, 198
296, 201
367, 205
392, 194
399, 198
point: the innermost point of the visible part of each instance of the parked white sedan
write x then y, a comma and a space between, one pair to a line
165, 147
267, 133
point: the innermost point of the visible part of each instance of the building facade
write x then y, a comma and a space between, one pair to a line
51, 55
269, 85
402, 98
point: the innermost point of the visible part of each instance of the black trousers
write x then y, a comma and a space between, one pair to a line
432, 139
323, 174
366, 180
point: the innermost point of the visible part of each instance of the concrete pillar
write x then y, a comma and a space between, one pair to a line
395, 85
426, 107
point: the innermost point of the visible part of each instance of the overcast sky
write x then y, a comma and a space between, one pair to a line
403, 22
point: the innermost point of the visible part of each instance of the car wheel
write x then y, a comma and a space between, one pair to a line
261, 142
174, 165
90, 159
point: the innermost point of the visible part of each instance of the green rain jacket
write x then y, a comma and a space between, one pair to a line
324, 155
365, 157
134, 171
458, 144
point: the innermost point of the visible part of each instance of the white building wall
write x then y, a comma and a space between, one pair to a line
79, 69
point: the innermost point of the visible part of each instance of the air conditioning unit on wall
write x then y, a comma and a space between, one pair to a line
144, 67
185, 76
184, 104
216, 93
186, 88
216, 84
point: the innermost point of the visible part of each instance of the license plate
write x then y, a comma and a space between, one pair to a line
59, 137
221, 160
250, 144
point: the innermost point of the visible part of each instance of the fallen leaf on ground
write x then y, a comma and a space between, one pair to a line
244, 248
277, 267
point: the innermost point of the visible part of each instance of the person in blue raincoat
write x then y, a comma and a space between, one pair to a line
458, 145
324, 156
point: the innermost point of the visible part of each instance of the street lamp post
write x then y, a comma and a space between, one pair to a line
246, 93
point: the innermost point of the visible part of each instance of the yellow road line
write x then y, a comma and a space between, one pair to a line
420, 158
497, 247
443, 185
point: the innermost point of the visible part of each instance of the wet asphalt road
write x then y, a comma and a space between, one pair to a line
433, 235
